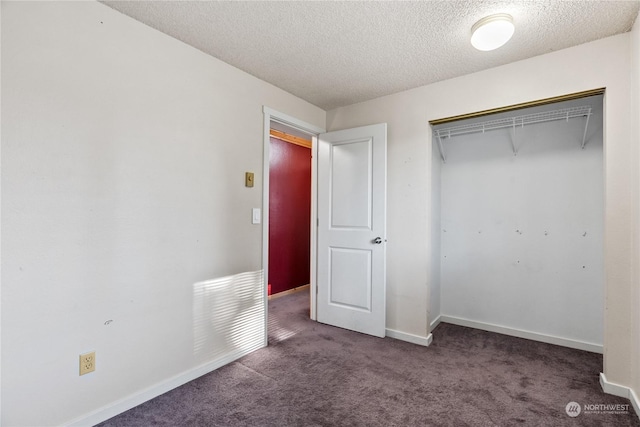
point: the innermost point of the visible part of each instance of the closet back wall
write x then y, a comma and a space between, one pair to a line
289, 215
522, 236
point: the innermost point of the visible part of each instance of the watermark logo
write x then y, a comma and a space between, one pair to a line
573, 409
606, 408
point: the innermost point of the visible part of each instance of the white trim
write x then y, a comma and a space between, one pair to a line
613, 388
435, 323
289, 292
635, 402
403, 336
288, 120
285, 119
0, 231
535, 336
134, 400
313, 289
620, 391
265, 219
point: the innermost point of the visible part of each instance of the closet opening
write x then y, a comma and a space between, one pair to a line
518, 220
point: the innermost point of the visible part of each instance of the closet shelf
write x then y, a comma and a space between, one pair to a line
513, 123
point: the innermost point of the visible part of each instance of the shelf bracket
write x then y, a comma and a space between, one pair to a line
441, 148
586, 125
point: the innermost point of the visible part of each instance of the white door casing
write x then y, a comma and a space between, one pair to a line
285, 119
352, 229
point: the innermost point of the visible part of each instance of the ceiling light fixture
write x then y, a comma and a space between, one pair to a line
492, 31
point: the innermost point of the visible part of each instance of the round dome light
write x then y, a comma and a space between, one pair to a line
491, 32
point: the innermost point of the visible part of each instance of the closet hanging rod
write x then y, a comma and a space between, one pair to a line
510, 122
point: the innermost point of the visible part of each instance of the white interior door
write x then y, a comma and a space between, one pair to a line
352, 228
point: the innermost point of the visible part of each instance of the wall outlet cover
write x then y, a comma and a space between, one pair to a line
87, 362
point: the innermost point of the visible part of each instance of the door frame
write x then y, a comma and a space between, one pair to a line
313, 131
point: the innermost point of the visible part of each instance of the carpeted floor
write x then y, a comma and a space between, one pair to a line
317, 375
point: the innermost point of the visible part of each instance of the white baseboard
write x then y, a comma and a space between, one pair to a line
621, 391
535, 336
435, 323
613, 388
403, 336
134, 400
635, 402
289, 292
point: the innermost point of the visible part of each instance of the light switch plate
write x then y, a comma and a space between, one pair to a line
255, 216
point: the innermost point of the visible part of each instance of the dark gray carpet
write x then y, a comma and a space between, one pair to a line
317, 375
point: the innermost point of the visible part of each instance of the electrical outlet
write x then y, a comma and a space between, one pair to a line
87, 362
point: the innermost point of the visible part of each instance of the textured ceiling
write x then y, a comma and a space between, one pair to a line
338, 53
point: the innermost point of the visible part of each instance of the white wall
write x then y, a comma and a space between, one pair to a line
123, 160
409, 172
522, 235
635, 119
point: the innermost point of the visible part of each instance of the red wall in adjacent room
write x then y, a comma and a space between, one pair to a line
289, 215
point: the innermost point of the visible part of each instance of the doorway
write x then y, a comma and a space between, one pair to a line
348, 224
299, 128
289, 210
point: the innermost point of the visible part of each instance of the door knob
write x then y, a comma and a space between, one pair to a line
377, 240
